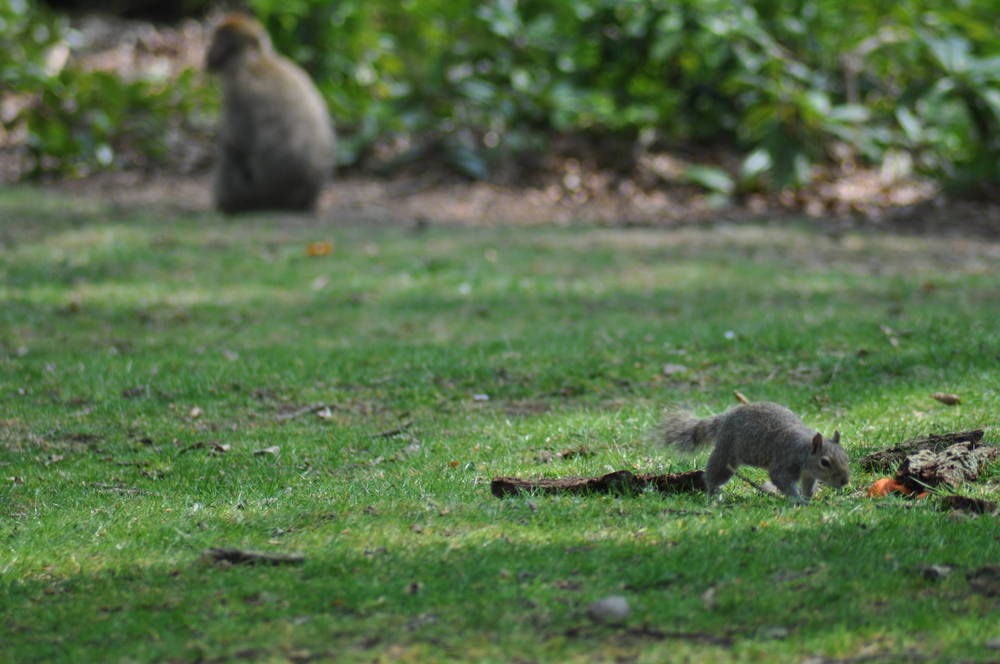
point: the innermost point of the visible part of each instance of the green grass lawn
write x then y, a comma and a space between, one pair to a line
146, 359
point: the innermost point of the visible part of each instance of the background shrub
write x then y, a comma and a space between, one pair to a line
784, 84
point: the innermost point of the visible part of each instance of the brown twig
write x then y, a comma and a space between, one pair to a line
749, 481
117, 488
394, 432
305, 410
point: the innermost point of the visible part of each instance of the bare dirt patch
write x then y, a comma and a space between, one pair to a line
443, 199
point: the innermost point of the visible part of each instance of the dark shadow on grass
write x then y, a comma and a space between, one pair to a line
516, 590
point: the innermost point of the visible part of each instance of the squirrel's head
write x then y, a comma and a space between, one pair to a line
828, 461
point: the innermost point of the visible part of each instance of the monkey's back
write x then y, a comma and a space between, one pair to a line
277, 141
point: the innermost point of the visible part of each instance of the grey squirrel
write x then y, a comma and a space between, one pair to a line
762, 434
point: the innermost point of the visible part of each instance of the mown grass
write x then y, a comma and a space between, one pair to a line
145, 357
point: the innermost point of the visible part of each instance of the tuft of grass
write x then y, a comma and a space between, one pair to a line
147, 360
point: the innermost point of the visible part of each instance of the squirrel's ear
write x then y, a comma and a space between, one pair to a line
817, 443
836, 437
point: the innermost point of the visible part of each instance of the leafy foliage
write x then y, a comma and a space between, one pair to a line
80, 120
789, 84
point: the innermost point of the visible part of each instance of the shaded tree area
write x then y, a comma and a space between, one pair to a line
153, 10
748, 98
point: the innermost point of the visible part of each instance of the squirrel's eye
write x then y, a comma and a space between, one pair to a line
824, 462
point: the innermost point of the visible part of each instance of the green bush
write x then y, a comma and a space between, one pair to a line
782, 81
789, 84
78, 121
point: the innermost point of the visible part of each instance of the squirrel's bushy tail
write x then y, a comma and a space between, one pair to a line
682, 430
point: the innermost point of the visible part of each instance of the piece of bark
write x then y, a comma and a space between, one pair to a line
953, 466
971, 505
620, 481
243, 557
887, 458
985, 580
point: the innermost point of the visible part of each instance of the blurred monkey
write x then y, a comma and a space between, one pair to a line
276, 142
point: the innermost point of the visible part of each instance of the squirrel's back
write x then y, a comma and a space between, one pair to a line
750, 434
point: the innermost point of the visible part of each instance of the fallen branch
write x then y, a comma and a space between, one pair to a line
620, 481
241, 557
886, 459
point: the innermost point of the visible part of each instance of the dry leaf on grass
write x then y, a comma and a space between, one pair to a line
947, 399
582, 451
887, 485
316, 249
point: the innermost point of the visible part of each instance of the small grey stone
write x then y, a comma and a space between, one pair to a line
776, 633
611, 609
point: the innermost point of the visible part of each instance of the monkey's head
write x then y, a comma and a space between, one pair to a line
236, 37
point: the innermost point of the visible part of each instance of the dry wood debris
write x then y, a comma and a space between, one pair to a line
886, 459
620, 481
